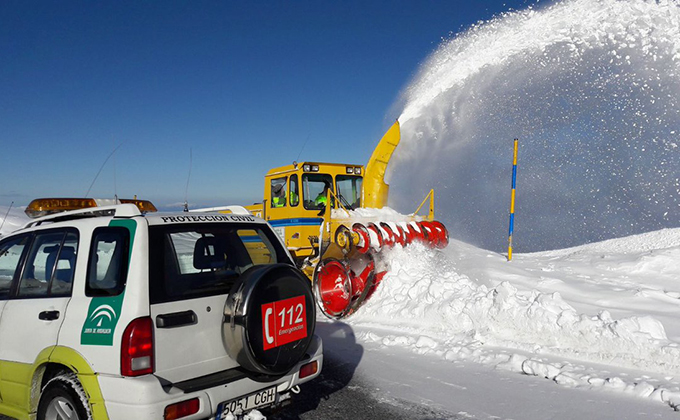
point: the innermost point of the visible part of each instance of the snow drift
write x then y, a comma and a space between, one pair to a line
465, 303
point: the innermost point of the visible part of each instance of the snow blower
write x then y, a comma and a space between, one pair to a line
333, 220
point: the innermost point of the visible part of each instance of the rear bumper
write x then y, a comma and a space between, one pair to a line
146, 398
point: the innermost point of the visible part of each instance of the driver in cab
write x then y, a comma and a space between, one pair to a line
278, 195
322, 198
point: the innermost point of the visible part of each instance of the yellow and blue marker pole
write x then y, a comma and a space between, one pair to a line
512, 201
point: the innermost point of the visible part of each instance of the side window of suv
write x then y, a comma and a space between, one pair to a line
10, 257
108, 264
50, 265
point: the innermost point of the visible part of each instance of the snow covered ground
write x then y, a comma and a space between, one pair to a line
599, 317
396, 377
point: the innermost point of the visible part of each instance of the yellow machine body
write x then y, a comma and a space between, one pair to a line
293, 207
297, 213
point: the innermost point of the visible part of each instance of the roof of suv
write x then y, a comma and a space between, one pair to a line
154, 218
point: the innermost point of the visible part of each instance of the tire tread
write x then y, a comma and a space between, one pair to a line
70, 381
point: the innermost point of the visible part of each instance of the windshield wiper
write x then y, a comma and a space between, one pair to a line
345, 203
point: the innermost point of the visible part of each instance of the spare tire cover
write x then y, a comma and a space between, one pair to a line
269, 319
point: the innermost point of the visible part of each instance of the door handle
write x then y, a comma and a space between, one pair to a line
48, 315
177, 319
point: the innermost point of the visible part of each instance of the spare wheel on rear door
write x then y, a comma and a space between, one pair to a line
269, 319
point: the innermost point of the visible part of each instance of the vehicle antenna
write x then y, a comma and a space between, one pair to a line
186, 191
100, 169
6, 214
115, 184
303, 148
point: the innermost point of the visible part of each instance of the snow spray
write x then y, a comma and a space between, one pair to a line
593, 89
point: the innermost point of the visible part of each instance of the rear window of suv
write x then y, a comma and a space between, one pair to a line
196, 260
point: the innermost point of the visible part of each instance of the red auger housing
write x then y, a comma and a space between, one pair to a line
347, 276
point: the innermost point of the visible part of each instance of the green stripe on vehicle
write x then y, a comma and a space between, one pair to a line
104, 311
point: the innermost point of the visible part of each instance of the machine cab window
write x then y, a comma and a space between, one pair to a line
294, 191
349, 191
314, 187
278, 195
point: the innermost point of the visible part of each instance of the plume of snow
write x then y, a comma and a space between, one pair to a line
590, 88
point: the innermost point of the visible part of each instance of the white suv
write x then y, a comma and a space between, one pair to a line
112, 312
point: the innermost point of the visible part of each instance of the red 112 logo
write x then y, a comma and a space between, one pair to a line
283, 322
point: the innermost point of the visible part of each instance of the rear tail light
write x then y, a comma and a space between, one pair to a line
182, 409
136, 354
309, 369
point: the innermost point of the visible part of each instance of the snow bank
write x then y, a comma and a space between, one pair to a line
433, 304
646, 242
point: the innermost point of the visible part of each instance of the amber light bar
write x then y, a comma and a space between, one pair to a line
143, 205
45, 206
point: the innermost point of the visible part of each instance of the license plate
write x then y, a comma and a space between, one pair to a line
241, 405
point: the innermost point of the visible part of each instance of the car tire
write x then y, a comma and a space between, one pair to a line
63, 398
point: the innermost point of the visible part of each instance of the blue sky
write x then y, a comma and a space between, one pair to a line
239, 86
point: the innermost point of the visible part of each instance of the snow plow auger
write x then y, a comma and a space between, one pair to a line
338, 246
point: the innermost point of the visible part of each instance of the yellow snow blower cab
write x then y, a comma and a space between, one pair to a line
329, 216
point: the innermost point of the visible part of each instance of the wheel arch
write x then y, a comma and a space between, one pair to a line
53, 360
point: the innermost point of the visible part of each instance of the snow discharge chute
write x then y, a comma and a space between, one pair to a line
375, 188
